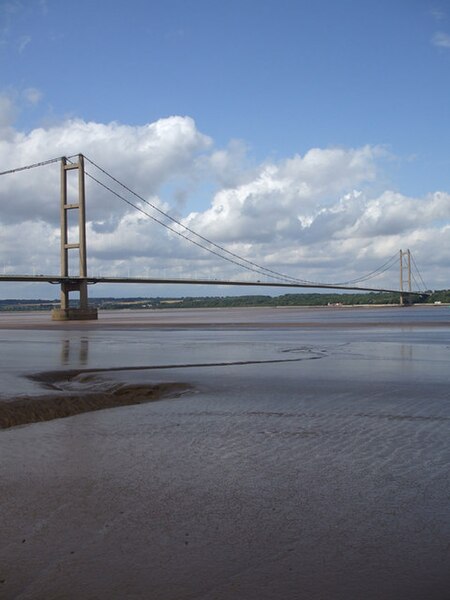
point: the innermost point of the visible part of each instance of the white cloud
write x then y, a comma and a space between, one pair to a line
148, 156
441, 39
29, 247
230, 165
285, 199
315, 216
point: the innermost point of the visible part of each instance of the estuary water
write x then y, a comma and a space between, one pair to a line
307, 456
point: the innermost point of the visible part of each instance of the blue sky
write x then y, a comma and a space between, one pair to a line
284, 76
281, 77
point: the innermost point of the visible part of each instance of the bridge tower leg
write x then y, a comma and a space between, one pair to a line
78, 283
405, 278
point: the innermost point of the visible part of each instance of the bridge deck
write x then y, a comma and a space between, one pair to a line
58, 280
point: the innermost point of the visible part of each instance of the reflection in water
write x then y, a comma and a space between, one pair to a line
69, 349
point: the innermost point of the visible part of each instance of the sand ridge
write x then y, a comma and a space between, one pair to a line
31, 409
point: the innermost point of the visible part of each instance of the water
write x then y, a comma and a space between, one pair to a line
309, 460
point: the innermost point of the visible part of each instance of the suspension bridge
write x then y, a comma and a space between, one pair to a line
79, 282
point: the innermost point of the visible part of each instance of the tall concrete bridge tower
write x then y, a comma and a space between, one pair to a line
405, 277
78, 284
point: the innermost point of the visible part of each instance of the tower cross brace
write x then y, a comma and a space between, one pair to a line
78, 283
405, 277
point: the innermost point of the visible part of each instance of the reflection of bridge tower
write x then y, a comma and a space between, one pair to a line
405, 277
77, 284
68, 356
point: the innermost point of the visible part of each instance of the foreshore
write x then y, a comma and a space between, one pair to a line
372, 316
304, 456
44, 407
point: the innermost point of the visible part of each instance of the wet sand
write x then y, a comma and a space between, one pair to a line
231, 318
33, 409
299, 463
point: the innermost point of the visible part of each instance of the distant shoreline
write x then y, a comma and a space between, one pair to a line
305, 300
32, 309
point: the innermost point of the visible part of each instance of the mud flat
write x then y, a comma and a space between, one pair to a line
33, 409
291, 462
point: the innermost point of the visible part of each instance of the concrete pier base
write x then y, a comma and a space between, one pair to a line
74, 314
406, 300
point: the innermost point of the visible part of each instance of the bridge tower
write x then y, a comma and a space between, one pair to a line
405, 278
74, 282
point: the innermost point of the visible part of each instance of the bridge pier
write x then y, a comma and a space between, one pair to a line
66, 312
406, 299
81, 313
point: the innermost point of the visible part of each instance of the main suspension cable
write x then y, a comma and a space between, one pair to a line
39, 164
232, 256
179, 233
384, 267
205, 239
260, 269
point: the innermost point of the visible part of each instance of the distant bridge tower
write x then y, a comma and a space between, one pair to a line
74, 282
405, 277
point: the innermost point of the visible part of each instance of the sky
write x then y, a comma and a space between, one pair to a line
311, 138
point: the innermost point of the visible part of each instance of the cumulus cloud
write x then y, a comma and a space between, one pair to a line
148, 156
231, 165
284, 199
315, 216
31, 246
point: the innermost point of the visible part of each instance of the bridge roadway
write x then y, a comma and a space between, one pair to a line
58, 280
